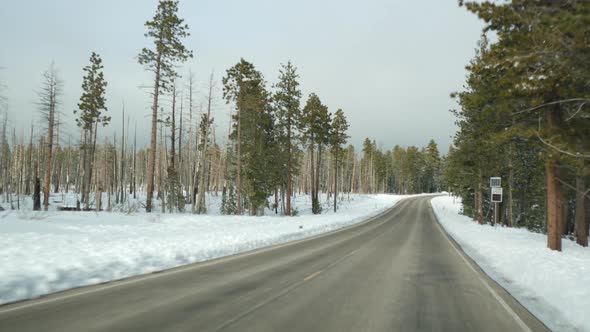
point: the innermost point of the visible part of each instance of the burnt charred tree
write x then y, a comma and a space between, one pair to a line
48, 103
205, 126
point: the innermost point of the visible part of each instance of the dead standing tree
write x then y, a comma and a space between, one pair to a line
206, 123
48, 103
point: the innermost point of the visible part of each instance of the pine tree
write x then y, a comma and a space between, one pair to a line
252, 131
91, 109
432, 167
338, 138
315, 126
166, 30
288, 114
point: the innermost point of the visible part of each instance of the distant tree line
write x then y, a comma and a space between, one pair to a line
278, 145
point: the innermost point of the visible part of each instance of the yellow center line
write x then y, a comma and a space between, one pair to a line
311, 276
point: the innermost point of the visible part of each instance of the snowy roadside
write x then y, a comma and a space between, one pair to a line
55, 251
552, 285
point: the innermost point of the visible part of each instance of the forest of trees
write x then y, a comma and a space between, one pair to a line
280, 143
524, 116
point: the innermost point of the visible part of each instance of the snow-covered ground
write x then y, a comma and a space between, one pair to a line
42, 253
554, 286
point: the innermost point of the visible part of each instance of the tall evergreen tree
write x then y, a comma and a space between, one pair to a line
91, 113
315, 126
252, 132
432, 167
338, 138
288, 114
166, 30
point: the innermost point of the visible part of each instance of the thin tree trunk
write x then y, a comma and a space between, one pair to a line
37, 190
554, 191
335, 182
134, 176
312, 174
202, 187
239, 171
553, 211
122, 172
581, 227
49, 153
289, 166
30, 179
180, 142
173, 129
480, 201
153, 141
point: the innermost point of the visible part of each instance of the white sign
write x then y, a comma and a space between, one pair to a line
495, 182
496, 195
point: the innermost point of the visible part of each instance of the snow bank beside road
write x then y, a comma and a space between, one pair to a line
553, 286
46, 253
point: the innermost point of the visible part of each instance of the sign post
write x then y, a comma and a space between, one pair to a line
496, 185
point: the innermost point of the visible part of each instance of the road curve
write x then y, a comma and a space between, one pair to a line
398, 272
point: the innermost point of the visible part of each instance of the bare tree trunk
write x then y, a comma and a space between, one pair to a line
37, 191
276, 200
509, 215
93, 159
317, 176
553, 211
203, 173
239, 156
98, 187
51, 109
152, 154
57, 164
160, 194
312, 175
554, 191
122, 171
134, 176
180, 141
29, 176
190, 142
173, 129
480, 201
581, 227
352, 189
335, 182
289, 167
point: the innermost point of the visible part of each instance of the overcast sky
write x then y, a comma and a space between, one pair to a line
389, 64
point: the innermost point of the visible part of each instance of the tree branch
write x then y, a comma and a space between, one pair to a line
573, 155
552, 103
585, 194
576, 112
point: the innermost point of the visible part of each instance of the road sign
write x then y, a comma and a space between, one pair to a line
495, 182
496, 195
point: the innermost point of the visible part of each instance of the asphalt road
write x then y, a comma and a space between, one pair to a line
397, 272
